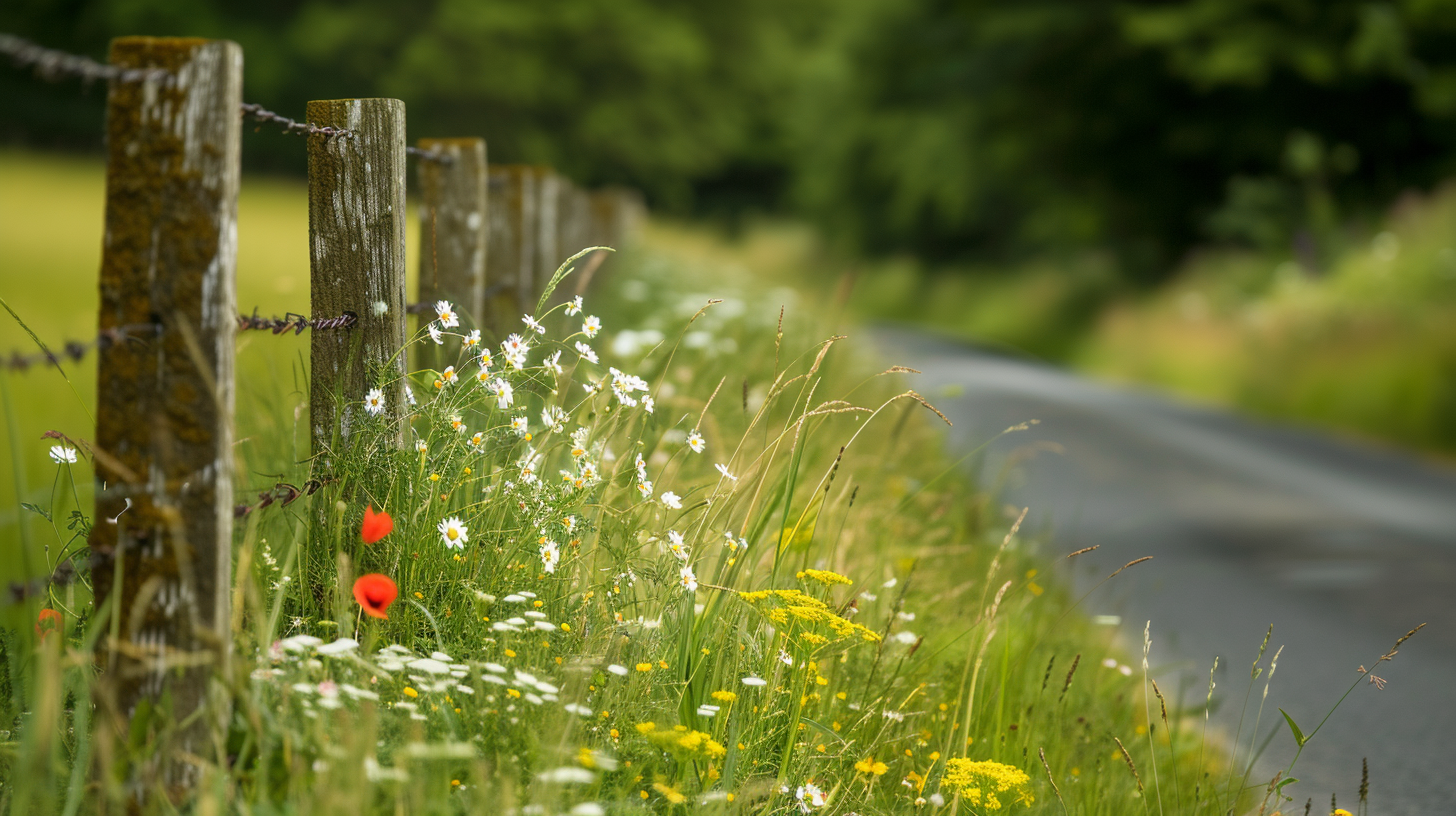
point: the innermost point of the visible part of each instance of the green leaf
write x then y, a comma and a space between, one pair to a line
1286, 781
823, 728
1299, 738
37, 510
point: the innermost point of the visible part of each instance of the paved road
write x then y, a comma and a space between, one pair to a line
1342, 546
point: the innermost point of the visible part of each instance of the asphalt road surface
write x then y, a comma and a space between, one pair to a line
1342, 546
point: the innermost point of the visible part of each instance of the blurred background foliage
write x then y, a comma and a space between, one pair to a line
957, 131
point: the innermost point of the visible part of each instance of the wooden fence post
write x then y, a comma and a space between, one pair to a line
454, 230
510, 267
162, 536
356, 212
548, 231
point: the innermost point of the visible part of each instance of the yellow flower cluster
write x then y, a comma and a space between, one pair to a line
725, 696
979, 781
824, 577
870, 765
794, 604
683, 740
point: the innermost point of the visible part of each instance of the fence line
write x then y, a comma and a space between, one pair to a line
492, 237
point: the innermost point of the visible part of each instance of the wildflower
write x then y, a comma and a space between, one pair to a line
756, 682
550, 554
49, 620
485, 360
786, 658
588, 472
723, 469
810, 797
448, 375
869, 765
501, 390
446, 313
574, 307
669, 793
644, 667
724, 696
375, 593
696, 442
373, 402
979, 782
688, 578
520, 425
453, 533
591, 325
435, 334
826, 578
63, 454
457, 423
645, 488
676, 545
421, 446
586, 352
553, 363
671, 500
533, 324
471, 341
376, 525
648, 404
409, 396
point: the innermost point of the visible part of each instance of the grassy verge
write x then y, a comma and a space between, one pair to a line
765, 591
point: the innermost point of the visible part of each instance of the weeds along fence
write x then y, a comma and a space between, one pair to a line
491, 236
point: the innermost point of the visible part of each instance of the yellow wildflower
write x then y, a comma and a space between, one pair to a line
870, 765
724, 696
981, 781
824, 577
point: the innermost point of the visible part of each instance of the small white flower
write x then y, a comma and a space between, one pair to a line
586, 352
591, 325
723, 469
905, 637
696, 442
553, 363
1110, 663
688, 578
373, 402
574, 307
501, 390
471, 340
756, 682
588, 472
810, 797
645, 488
421, 445
1125, 670
409, 395
620, 671
448, 376
453, 533
435, 334
485, 360
570, 524
786, 658
446, 313
63, 453
671, 500
708, 710
520, 425
649, 404
533, 324
550, 555
676, 545
338, 647
568, 775
641, 465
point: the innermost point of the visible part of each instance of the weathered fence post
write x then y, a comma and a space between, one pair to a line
356, 212
454, 230
548, 231
510, 267
161, 542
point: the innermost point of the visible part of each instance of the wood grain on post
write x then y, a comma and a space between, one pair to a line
356, 225
454, 230
161, 543
548, 231
510, 267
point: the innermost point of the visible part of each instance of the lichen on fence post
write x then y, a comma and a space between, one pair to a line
161, 539
454, 230
356, 229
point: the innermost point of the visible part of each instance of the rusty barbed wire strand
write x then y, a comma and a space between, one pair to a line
297, 323
258, 113
52, 65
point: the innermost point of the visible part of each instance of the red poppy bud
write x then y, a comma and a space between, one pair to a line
375, 593
376, 525
48, 621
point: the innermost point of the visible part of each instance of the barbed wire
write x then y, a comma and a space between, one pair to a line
297, 323
52, 65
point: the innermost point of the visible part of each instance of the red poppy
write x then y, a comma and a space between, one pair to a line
48, 621
376, 525
375, 593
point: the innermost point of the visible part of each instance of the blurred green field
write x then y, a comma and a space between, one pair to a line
51, 209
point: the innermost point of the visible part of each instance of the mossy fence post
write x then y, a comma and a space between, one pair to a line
454, 231
511, 265
161, 540
356, 229
548, 232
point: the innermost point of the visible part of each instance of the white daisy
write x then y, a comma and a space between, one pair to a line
570, 524
641, 465
520, 425
436, 335
574, 307
486, 361
448, 376
550, 554
373, 402
591, 325
810, 797
65, 454
586, 352
457, 423
553, 363
688, 578
501, 390
676, 545
453, 533
756, 682
471, 340
446, 313
696, 442
723, 469
649, 404
421, 446
645, 488
671, 500
533, 324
